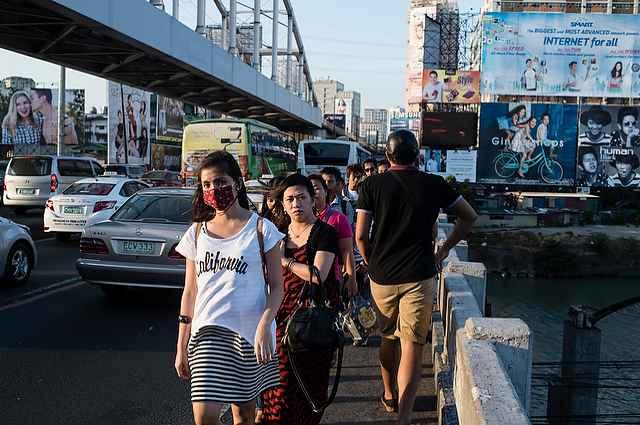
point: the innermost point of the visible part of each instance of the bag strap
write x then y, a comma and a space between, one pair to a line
263, 259
303, 387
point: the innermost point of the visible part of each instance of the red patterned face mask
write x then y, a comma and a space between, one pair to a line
220, 199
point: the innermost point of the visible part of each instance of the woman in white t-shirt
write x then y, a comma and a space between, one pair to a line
226, 338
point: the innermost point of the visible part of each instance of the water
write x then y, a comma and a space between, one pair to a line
544, 305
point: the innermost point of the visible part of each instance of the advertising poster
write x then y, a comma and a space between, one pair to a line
165, 157
129, 130
460, 164
170, 120
449, 129
337, 120
528, 144
415, 55
30, 123
440, 86
561, 54
344, 106
609, 147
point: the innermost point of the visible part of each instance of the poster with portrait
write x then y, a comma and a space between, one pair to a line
561, 54
441, 86
30, 122
129, 123
459, 164
609, 147
527, 144
170, 120
415, 55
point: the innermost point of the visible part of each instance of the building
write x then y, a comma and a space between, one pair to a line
349, 103
244, 39
562, 6
96, 127
326, 91
374, 127
18, 83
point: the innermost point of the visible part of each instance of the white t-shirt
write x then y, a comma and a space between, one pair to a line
432, 166
231, 286
433, 91
530, 79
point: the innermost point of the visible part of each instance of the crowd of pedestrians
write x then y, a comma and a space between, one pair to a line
247, 275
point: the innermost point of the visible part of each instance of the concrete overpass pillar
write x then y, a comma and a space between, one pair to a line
202, 13
257, 32
274, 40
233, 15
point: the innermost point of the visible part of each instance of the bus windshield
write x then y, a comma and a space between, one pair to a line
326, 153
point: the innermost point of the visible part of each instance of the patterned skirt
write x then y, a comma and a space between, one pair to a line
224, 367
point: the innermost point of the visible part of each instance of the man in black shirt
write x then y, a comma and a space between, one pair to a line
404, 204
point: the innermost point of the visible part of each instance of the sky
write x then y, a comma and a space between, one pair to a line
361, 43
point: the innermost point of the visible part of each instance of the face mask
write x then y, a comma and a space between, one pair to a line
220, 199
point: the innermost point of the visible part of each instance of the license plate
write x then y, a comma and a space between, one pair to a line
72, 209
26, 191
137, 248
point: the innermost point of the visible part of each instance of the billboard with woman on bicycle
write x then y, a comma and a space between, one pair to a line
528, 144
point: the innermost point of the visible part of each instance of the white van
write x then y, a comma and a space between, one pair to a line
31, 180
314, 155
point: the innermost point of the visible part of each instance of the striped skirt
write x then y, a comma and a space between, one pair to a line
224, 367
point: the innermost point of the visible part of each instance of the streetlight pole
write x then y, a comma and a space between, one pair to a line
61, 108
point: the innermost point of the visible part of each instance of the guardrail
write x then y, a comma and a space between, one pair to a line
482, 366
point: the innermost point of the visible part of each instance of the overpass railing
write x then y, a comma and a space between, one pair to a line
482, 366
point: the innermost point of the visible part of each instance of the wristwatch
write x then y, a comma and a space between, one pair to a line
184, 319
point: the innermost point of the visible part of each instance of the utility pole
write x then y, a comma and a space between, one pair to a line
274, 40
62, 103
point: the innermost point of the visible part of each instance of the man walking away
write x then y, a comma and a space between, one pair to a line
404, 204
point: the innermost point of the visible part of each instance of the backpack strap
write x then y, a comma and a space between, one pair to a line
259, 230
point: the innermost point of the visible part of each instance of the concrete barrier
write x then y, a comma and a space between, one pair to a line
482, 366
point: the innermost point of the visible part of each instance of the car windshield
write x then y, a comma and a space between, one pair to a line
97, 189
324, 153
156, 208
36, 166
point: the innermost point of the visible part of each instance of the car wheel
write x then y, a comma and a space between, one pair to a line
63, 236
19, 264
113, 292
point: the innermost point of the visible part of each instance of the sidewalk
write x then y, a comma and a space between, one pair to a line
358, 399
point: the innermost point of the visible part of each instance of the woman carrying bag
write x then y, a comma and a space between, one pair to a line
310, 250
233, 288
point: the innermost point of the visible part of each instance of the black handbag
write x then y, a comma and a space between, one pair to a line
314, 327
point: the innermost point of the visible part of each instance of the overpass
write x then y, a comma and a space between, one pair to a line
135, 43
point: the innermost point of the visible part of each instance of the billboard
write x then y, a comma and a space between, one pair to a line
30, 122
528, 144
415, 54
561, 54
128, 131
344, 106
336, 120
449, 129
608, 147
441, 86
170, 120
460, 164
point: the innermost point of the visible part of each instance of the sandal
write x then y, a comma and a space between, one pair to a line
390, 405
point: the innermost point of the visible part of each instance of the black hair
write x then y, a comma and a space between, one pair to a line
516, 110
276, 215
44, 93
224, 162
528, 60
384, 162
433, 73
615, 73
546, 114
402, 147
129, 97
333, 171
295, 180
626, 111
371, 161
355, 168
585, 150
318, 178
572, 63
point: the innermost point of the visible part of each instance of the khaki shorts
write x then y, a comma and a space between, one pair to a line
404, 310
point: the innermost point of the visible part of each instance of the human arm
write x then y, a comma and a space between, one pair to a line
363, 225
345, 247
186, 309
466, 216
264, 340
323, 262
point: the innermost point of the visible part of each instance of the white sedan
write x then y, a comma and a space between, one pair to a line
87, 199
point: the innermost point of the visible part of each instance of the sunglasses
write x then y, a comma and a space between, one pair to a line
369, 170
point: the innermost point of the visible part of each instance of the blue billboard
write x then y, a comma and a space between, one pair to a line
561, 54
527, 144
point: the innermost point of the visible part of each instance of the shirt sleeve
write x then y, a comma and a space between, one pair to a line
365, 202
327, 240
270, 234
187, 245
448, 196
340, 222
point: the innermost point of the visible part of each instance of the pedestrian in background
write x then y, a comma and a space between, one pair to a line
226, 322
309, 241
272, 209
383, 166
336, 196
404, 204
370, 167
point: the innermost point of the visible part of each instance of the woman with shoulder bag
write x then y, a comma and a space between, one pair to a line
233, 289
310, 244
